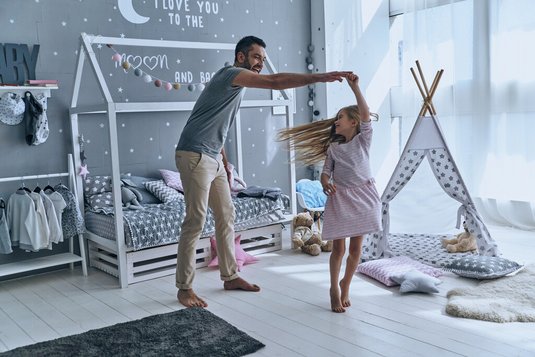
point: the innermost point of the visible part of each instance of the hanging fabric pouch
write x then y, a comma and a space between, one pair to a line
11, 108
42, 126
35, 119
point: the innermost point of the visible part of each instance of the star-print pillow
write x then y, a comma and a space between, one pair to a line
482, 267
242, 257
96, 184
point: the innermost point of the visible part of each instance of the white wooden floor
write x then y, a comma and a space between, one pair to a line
290, 315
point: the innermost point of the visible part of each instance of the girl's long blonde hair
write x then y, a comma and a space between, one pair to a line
310, 141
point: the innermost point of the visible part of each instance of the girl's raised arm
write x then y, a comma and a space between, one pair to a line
364, 110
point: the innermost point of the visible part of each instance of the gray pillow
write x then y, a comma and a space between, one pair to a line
96, 184
139, 182
100, 201
482, 267
416, 281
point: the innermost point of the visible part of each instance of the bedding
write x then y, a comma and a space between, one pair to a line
425, 248
159, 224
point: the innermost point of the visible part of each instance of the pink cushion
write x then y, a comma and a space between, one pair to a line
172, 179
242, 257
382, 269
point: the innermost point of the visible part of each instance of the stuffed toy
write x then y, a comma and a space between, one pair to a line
305, 239
463, 242
130, 196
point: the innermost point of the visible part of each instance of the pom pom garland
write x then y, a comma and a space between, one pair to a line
147, 78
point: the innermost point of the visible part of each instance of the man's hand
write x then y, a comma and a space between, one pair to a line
229, 176
335, 76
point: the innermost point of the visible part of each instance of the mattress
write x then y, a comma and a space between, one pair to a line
160, 224
426, 248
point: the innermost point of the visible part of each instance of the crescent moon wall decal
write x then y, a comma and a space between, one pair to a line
129, 13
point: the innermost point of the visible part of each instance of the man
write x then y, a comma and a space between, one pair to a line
201, 161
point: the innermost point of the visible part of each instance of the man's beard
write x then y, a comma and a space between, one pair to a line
247, 65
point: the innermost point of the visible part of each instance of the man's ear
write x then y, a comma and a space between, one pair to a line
240, 57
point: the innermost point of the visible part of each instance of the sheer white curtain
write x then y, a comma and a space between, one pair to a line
485, 103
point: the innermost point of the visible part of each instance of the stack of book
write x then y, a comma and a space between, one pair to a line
41, 82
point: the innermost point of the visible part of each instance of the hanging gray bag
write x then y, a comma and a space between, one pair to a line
35, 119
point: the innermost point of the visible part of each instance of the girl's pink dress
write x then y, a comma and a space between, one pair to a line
355, 208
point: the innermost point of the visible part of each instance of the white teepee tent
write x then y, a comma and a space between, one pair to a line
427, 140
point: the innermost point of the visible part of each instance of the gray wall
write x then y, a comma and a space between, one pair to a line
147, 141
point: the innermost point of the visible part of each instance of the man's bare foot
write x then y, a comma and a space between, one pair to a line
336, 303
344, 298
189, 299
240, 284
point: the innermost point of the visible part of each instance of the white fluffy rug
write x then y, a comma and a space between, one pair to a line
506, 299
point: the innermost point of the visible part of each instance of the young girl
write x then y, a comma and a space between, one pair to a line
353, 203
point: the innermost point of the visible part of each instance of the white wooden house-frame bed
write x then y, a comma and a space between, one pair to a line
115, 257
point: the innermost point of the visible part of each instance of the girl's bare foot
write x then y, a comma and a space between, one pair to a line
336, 303
240, 284
344, 298
189, 299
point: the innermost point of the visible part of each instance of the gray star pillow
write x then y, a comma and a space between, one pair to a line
482, 267
416, 281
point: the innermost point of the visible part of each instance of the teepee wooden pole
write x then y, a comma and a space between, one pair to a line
428, 97
434, 87
425, 105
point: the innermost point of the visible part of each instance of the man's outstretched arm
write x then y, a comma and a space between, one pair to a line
251, 79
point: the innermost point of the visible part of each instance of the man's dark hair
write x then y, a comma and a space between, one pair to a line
245, 44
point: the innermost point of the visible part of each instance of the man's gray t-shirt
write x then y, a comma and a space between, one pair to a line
213, 114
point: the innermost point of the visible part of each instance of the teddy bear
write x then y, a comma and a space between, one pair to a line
305, 239
463, 242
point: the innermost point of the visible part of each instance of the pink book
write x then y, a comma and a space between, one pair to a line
42, 81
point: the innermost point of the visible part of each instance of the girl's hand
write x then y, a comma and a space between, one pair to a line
353, 80
329, 189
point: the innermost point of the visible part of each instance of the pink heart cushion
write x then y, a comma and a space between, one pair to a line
242, 257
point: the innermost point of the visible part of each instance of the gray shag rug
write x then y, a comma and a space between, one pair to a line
506, 299
187, 332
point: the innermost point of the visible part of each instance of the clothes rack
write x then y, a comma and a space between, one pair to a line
53, 259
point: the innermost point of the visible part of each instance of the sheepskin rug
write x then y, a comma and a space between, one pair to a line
507, 299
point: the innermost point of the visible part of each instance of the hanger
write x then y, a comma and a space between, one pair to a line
48, 187
24, 188
37, 189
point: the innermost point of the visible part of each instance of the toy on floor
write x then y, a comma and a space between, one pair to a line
304, 238
464, 242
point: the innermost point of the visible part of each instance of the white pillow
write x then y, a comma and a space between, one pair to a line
163, 192
416, 281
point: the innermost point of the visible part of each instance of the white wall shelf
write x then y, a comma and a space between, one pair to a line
20, 90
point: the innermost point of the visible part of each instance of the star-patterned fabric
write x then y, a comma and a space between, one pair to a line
481, 267
160, 224
425, 248
377, 245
